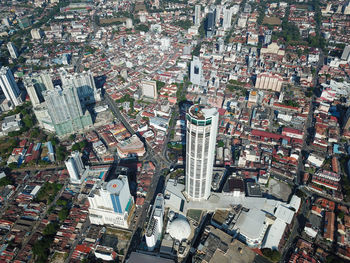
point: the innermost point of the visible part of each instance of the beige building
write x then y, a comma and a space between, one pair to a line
269, 81
149, 89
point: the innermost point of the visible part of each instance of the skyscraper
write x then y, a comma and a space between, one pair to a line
210, 23
75, 167
111, 203
66, 111
13, 50
155, 225
36, 84
267, 37
197, 15
196, 72
85, 85
227, 19
9, 86
201, 131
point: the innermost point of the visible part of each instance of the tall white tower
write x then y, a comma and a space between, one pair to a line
155, 225
197, 15
75, 167
13, 50
9, 86
201, 131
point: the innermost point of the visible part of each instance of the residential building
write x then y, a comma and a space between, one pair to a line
202, 126
13, 50
197, 15
227, 19
36, 33
36, 84
75, 167
66, 111
85, 85
111, 203
131, 146
9, 86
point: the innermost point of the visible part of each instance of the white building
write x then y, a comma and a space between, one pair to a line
155, 225
13, 50
85, 85
110, 203
75, 168
269, 81
36, 33
202, 126
227, 19
149, 89
197, 15
36, 84
196, 72
9, 86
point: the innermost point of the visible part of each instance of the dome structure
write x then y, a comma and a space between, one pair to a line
180, 229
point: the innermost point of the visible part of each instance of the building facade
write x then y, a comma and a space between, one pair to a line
196, 72
12, 50
66, 112
201, 131
155, 225
9, 86
111, 203
75, 167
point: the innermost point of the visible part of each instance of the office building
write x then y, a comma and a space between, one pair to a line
227, 19
111, 203
9, 87
202, 126
149, 89
196, 72
13, 50
197, 15
210, 23
75, 167
66, 112
85, 85
155, 225
36, 84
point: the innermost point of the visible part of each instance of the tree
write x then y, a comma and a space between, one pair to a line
142, 27
274, 255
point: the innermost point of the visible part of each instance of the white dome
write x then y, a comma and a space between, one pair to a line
180, 229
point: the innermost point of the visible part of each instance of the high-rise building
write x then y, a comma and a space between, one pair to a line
196, 72
66, 111
9, 86
155, 225
347, 120
210, 23
36, 84
85, 85
149, 89
346, 54
201, 131
218, 11
13, 50
75, 167
227, 19
111, 203
197, 15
